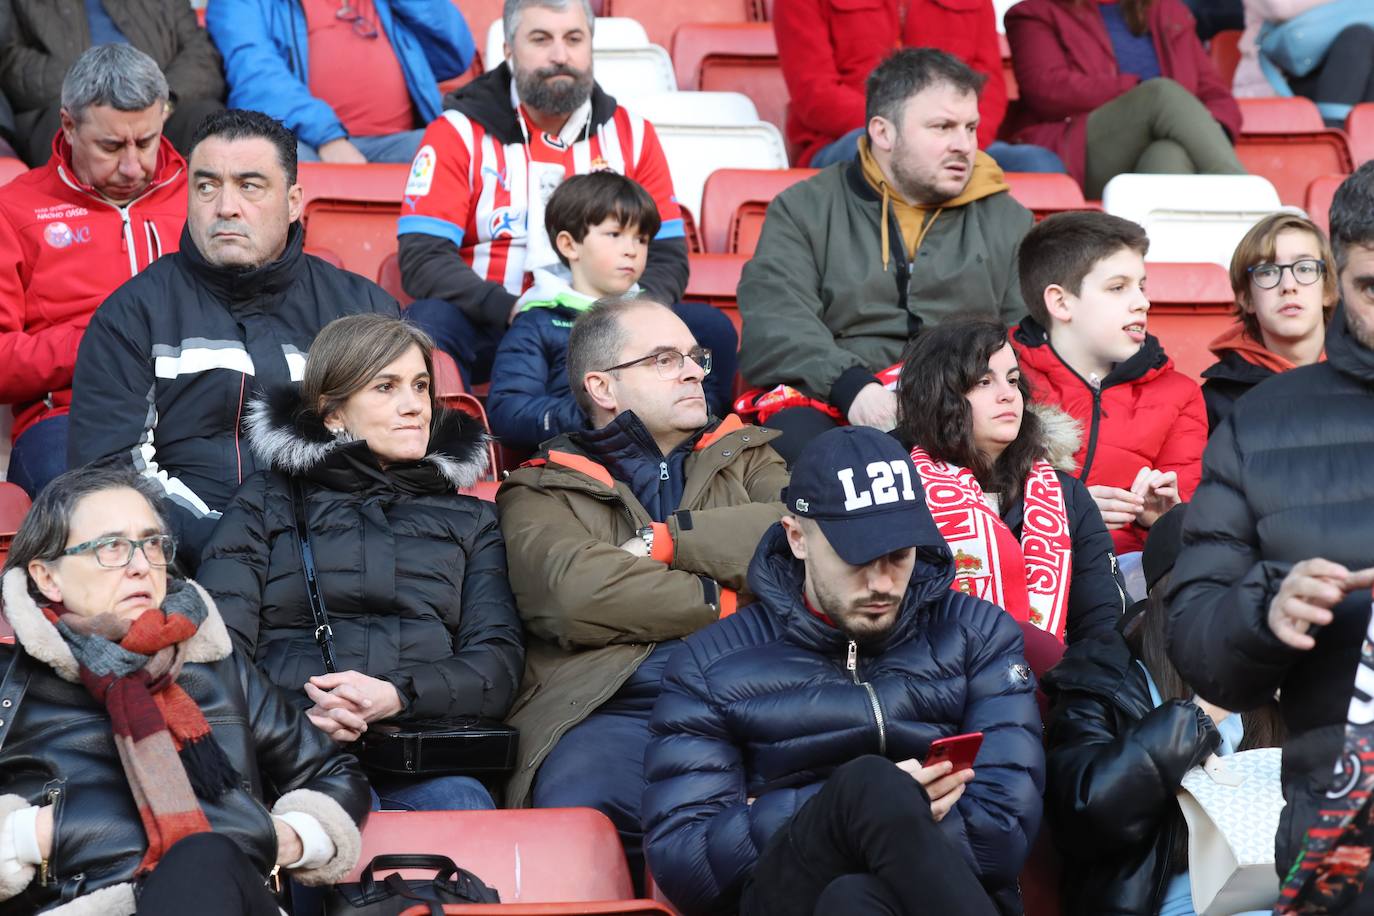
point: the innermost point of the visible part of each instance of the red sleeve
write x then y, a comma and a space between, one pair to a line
1049, 86
987, 59
651, 171
34, 363
438, 195
1187, 439
816, 95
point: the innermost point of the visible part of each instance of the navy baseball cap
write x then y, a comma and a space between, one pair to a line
859, 486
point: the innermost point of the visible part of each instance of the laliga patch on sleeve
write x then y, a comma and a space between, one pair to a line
421, 172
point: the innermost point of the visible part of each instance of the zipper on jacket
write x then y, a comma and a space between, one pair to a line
851, 664
45, 870
663, 470
127, 236
1092, 434
1116, 579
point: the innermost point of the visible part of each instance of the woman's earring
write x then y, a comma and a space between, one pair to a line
336, 431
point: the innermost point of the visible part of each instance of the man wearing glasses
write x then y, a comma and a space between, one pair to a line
622, 540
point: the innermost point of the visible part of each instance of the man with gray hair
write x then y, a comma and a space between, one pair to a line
110, 201
472, 219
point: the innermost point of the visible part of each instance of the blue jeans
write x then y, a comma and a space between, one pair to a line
437, 793
400, 147
841, 150
39, 455
1025, 157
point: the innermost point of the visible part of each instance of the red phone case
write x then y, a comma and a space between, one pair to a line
960, 749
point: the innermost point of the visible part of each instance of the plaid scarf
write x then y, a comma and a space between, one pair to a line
165, 745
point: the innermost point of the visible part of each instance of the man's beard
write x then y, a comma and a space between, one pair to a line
855, 626
538, 91
1359, 328
913, 186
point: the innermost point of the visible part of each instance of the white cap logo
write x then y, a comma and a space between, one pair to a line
803, 506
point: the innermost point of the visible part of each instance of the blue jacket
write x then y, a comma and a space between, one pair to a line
264, 47
760, 705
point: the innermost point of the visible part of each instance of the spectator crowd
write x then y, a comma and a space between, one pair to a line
937, 558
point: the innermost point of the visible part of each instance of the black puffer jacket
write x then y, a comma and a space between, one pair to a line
1115, 764
1226, 380
413, 574
1287, 477
60, 751
761, 706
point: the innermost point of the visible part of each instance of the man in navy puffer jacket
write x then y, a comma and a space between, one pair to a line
784, 772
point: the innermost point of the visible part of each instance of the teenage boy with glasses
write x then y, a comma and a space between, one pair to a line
621, 540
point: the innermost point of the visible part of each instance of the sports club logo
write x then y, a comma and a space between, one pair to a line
421, 172
550, 140
503, 223
60, 235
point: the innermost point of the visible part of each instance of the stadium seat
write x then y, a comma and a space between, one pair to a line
325, 254
1284, 140
1225, 50
1043, 194
479, 15
351, 210
389, 279
1191, 218
733, 204
714, 279
694, 151
1359, 127
451, 393
14, 505
1318, 204
627, 64
660, 18
546, 861
1008, 73
733, 57
1190, 304
10, 169
696, 109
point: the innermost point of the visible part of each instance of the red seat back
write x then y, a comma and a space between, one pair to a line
1359, 127
352, 211
661, 17
389, 279
1318, 203
14, 505
1284, 140
1047, 193
733, 57
714, 279
1190, 304
1225, 51
11, 169
324, 254
1291, 115
734, 202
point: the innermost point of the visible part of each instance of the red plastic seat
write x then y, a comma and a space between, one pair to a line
352, 210
389, 279
1190, 304
10, 169
545, 861
1359, 127
1225, 51
324, 254
451, 393
1284, 140
1318, 203
1043, 194
661, 17
1008, 74
14, 505
734, 202
714, 279
733, 57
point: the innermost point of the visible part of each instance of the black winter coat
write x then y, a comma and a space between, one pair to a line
1115, 764
760, 705
1287, 477
413, 574
167, 367
1226, 380
61, 751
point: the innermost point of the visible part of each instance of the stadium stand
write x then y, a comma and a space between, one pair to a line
1190, 304
1191, 218
542, 861
1225, 50
1008, 74
714, 279
450, 392
1359, 128
733, 57
626, 64
1285, 140
14, 505
351, 210
733, 204
661, 20
389, 279
1318, 203
1046, 193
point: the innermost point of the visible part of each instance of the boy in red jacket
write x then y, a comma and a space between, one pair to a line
1085, 349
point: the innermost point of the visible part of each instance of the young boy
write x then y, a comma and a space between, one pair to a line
600, 225
1085, 349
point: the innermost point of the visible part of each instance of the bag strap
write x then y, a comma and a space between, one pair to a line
324, 634
12, 690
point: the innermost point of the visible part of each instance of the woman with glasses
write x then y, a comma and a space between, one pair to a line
1285, 289
410, 574
137, 749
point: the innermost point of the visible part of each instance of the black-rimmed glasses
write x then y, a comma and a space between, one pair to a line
362, 26
669, 362
118, 552
1305, 270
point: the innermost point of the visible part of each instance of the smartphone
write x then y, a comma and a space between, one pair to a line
960, 749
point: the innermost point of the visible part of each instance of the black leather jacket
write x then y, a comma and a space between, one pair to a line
60, 752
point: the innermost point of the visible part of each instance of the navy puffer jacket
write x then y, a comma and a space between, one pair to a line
761, 706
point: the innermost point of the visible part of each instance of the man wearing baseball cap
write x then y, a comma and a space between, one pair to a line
785, 767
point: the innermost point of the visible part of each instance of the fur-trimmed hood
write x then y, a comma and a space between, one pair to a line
1060, 436
291, 439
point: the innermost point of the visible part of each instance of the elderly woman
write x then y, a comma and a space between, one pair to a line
412, 574
135, 746
1024, 531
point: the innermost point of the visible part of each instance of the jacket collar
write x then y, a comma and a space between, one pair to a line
231, 285
1345, 353
292, 440
1232, 366
486, 100
41, 640
170, 166
1037, 351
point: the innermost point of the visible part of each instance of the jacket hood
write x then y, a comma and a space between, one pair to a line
293, 440
1061, 436
551, 287
776, 579
233, 285
1345, 352
169, 165
1102, 665
41, 639
486, 100
1236, 340
1034, 349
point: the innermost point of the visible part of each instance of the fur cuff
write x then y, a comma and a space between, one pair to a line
12, 882
348, 842
115, 900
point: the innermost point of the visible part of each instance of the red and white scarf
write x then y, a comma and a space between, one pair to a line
1030, 579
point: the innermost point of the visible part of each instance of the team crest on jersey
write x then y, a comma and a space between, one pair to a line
421, 172
551, 140
601, 165
60, 235
503, 222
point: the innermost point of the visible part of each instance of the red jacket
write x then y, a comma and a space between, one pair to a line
63, 249
828, 48
1066, 68
1145, 414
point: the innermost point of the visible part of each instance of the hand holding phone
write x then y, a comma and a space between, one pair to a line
959, 750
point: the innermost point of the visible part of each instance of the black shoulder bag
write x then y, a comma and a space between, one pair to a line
394, 895
467, 746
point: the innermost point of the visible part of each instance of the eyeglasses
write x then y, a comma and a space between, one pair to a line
118, 552
669, 362
362, 26
1306, 271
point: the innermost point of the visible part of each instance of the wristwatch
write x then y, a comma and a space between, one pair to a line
646, 534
